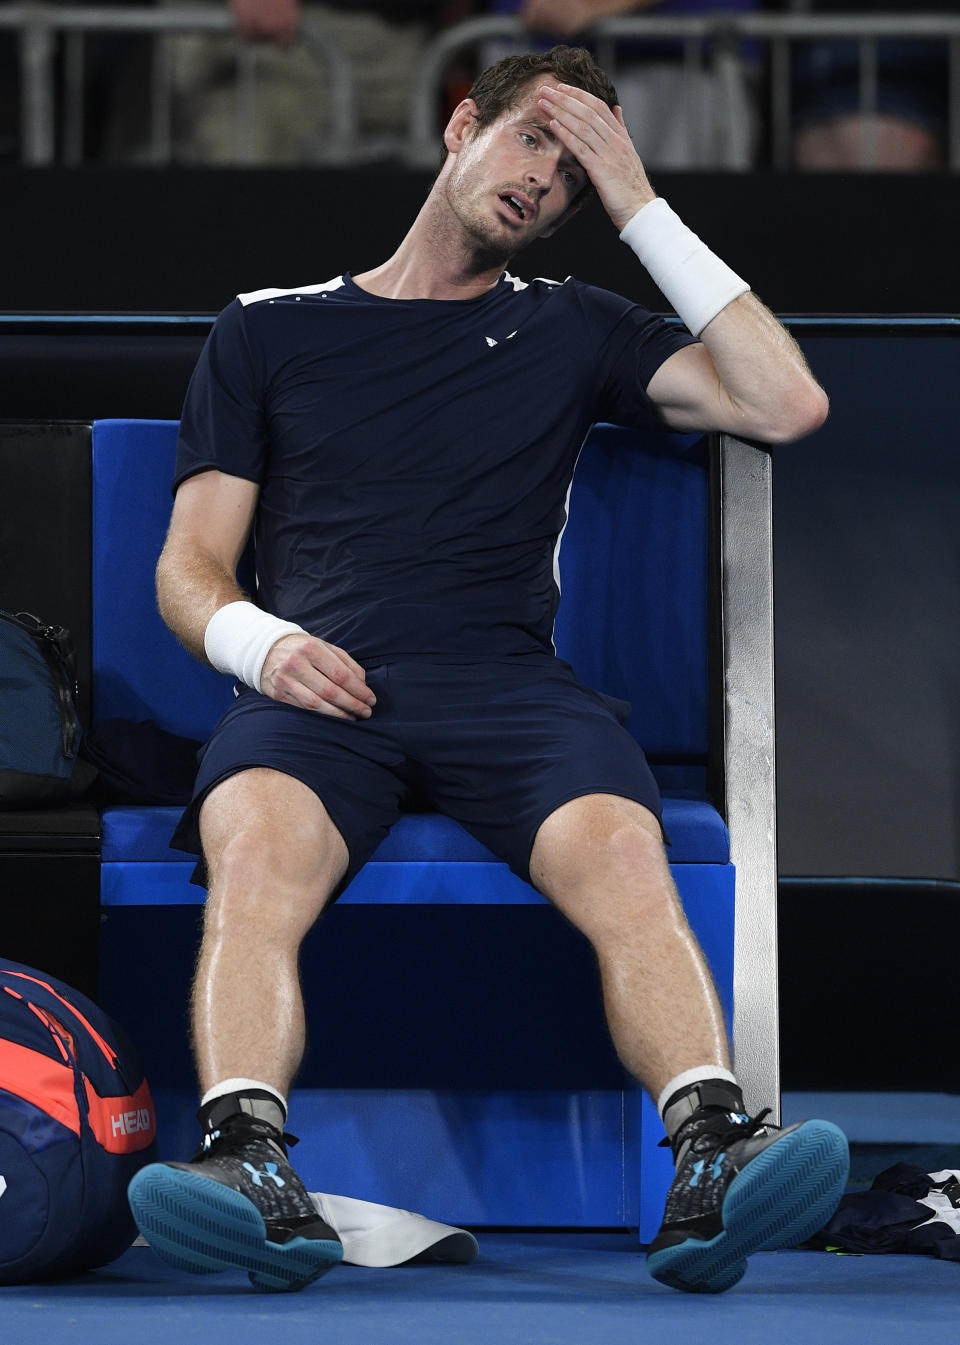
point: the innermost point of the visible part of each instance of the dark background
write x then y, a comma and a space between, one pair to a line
142, 240
867, 542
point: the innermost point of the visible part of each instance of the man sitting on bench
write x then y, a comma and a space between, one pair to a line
402, 442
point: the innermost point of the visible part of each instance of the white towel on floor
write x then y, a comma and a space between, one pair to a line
379, 1235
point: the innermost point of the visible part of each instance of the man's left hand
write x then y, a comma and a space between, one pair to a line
600, 142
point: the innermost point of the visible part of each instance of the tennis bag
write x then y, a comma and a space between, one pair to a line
39, 729
76, 1122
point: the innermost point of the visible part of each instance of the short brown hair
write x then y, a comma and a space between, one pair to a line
500, 87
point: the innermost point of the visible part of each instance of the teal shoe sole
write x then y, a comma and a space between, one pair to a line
781, 1198
200, 1225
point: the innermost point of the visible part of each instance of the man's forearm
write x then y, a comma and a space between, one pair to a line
757, 382
213, 618
191, 586
762, 372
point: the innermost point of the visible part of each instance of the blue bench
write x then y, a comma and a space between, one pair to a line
578, 1146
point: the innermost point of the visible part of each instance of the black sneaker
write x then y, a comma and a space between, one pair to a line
743, 1186
237, 1204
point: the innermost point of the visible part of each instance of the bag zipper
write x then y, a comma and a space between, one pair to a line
55, 650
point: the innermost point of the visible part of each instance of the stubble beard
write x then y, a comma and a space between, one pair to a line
490, 246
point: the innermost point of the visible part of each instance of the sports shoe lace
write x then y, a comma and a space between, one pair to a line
237, 1132
712, 1133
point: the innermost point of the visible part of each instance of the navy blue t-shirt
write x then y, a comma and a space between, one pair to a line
415, 456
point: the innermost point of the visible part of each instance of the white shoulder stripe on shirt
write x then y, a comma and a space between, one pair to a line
523, 284
257, 296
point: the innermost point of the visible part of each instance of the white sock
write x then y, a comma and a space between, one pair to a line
255, 1107
690, 1076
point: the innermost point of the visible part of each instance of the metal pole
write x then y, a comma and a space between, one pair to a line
954, 104
342, 135
74, 98
161, 109
245, 108
37, 94
868, 103
746, 523
692, 135
728, 67
781, 148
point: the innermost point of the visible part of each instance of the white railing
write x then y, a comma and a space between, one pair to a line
42, 26
726, 32
50, 87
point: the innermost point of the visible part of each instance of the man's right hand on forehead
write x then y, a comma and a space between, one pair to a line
302, 670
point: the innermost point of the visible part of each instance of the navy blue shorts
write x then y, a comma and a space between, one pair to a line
497, 746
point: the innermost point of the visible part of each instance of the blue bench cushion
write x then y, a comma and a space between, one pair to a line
696, 830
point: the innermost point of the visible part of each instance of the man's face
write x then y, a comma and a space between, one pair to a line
513, 181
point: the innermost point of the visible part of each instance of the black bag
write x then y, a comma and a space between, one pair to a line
140, 762
40, 730
76, 1123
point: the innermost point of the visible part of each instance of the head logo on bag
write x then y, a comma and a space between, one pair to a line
76, 1123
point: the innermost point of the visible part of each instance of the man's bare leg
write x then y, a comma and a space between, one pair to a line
741, 1186
274, 858
600, 859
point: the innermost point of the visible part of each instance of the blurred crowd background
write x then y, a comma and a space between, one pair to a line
694, 98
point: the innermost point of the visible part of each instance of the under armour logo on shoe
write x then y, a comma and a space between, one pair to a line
269, 1170
716, 1167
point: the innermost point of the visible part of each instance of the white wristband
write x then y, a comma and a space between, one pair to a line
239, 637
693, 278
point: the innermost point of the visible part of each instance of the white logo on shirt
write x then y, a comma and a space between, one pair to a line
491, 341
3, 1184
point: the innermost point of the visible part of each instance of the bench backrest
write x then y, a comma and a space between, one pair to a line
633, 570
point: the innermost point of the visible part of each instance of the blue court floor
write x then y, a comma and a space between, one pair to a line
557, 1288
561, 1289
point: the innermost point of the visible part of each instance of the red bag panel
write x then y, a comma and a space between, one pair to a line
122, 1125
38, 1079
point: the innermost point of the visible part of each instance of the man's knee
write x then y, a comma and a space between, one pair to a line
601, 861
634, 851
263, 832
252, 855
599, 838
